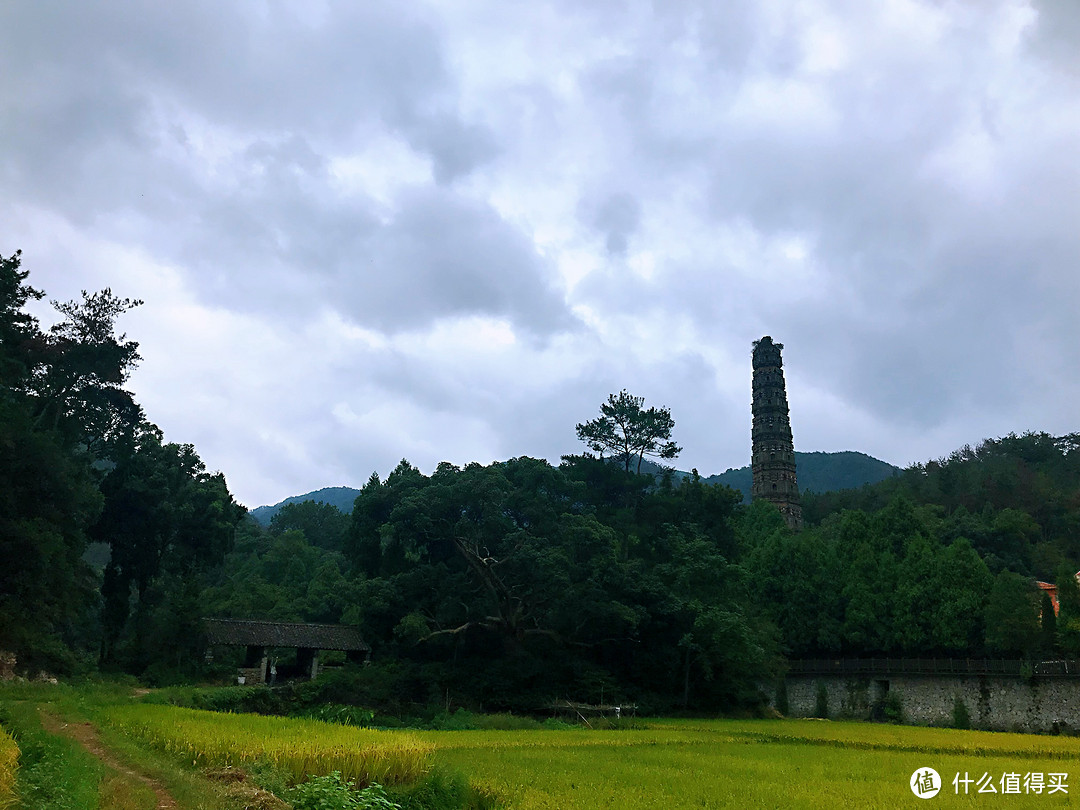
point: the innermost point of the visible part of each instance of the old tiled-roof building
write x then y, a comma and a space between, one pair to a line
258, 637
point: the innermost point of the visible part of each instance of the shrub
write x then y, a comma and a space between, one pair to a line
892, 708
464, 720
9, 763
443, 790
461, 720
269, 777
343, 715
330, 792
161, 674
781, 697
960, 716
245, 699
821, 704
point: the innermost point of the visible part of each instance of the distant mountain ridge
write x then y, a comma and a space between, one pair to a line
341, 497
817, 472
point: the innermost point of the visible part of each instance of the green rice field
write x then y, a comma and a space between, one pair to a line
657, 763
661, 763
767, 763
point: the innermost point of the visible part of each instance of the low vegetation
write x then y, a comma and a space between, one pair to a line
472, 761
9, 765
55, 773
297, 746
736, 763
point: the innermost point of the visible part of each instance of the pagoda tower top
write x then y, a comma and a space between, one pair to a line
773, 449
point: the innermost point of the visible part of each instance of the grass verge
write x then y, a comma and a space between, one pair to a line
298, 747
54, 773
9, 766
58, 773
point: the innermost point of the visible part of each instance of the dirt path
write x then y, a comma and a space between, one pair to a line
87, 736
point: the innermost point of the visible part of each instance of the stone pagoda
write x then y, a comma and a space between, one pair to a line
773, 451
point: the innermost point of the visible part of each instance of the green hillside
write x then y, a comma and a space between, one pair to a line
341, 497
819, 472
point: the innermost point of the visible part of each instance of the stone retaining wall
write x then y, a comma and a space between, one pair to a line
992, 702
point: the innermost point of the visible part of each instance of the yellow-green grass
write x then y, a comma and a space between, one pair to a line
873, 736
190, 789
9, 764
299, 747
722, 763
664, 763
54, 771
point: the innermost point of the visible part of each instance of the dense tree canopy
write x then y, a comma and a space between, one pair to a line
921, 557
163, 515
586, 564
47, 501
79, 462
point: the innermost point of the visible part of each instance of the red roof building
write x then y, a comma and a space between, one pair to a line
1051, 590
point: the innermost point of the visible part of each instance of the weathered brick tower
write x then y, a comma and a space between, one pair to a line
773, 451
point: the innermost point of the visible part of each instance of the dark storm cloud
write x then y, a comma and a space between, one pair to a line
325, 69
443, 255
1057, 32
109, 106
278, 243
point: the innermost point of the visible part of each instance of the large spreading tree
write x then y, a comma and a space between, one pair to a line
627, 430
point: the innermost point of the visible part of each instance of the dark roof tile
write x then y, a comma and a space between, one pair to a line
284, 634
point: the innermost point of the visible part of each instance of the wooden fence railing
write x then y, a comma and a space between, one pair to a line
934, 666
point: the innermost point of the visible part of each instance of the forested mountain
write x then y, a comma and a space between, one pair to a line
939, 560
819, 472
340, 497
453, 571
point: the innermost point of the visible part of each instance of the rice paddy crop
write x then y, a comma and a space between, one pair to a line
9, 764
874, 736
299, 747
728, 763
677, 764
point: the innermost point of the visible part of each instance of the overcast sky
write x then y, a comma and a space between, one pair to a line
366, 231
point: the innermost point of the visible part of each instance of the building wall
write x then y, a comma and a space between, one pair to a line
251, 675
993, 702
